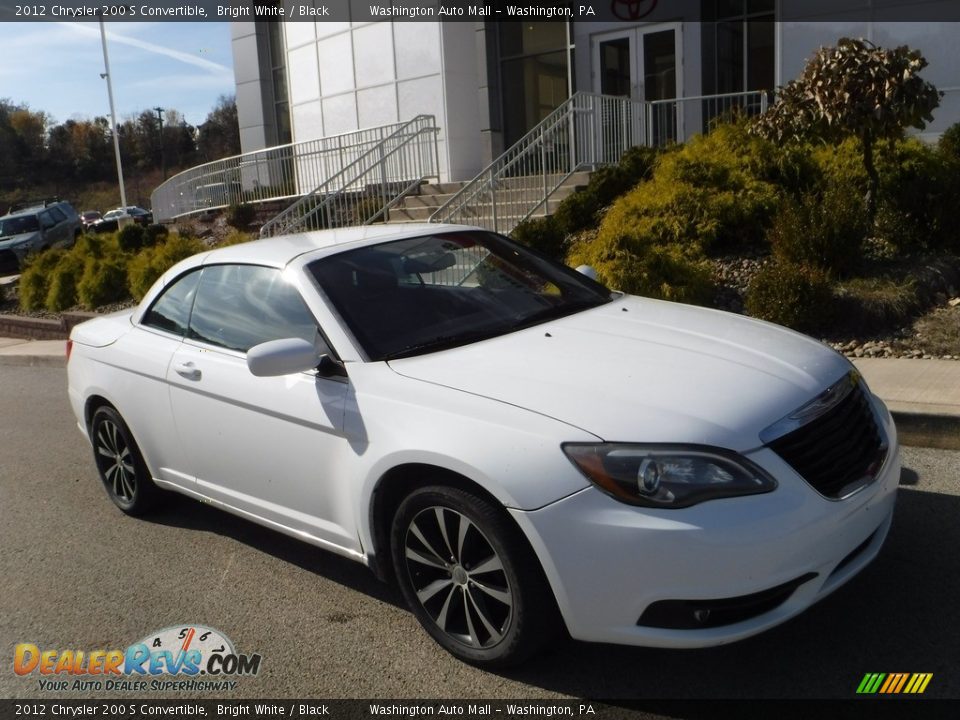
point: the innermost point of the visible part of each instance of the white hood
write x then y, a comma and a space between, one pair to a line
639, 370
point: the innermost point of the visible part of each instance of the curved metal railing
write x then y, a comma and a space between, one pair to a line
276, 173
587, 130
366, 189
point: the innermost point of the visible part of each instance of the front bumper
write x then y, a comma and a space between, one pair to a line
608, 563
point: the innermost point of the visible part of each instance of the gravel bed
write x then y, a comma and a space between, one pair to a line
732, 275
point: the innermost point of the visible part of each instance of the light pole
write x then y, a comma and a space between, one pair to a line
163, 160
113, 113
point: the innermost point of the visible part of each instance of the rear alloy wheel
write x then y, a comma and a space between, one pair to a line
470, 577
120, 464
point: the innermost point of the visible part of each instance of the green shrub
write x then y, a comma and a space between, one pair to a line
240, 216
91, 245
919, 196
790, 294
104, 279
62, 291
543, 234
130, 237
235, 237
714, 193
872, 305
825, 230
919, 188
669, 271
34, 281
582, 210
154, 234
949, 144
150, 263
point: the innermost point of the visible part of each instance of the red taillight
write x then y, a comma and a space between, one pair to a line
69, 349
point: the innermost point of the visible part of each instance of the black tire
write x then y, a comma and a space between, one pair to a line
470, 577
122, 469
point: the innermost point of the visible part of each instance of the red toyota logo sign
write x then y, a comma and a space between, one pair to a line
632, 9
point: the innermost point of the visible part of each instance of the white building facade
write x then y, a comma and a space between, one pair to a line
488, 82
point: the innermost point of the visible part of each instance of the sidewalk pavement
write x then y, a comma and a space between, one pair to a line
923, 395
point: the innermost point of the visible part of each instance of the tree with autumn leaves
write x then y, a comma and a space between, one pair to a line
854, 89
38, 151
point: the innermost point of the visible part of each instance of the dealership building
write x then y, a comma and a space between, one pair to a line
487, 82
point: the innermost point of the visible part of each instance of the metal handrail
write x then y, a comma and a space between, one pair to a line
275, 173
586, 130
368, 187
677, 119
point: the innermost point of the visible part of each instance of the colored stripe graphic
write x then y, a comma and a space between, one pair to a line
894, 683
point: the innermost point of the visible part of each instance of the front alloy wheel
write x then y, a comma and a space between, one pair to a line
470, 577
122, 470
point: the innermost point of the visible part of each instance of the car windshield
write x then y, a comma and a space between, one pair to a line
17, 225
424, 294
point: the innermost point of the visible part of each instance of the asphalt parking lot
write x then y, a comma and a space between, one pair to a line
76, 573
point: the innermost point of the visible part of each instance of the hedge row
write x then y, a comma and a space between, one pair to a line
101, 269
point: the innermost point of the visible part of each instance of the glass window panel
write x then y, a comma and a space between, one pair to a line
275, 34
280, 85
527, 38
171, 311
729, 8
239, 306
660, 65
533, 87
759, 6
615, 67
729, 57
760, 55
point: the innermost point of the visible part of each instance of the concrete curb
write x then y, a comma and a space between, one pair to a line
928, 429
33, 360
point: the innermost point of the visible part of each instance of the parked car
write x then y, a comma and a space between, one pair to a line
53, 223
512, 443
89, 217
111, 220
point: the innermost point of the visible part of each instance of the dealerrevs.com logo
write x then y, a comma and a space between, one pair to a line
178, 658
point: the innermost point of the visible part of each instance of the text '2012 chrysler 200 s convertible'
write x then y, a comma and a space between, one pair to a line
515, 446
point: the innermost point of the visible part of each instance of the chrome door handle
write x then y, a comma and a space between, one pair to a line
187, 370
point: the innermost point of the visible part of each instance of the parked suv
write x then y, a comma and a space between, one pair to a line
52, 223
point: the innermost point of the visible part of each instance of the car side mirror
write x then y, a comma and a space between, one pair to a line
282, 357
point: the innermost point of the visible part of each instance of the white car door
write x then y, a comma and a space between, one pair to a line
267, 446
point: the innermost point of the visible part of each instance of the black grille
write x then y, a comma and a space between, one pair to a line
837, 449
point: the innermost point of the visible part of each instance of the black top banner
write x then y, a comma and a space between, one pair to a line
625, 11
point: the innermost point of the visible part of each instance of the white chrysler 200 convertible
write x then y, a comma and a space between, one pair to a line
517, 447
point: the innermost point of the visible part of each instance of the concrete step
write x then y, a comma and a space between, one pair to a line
504, 209
423, 205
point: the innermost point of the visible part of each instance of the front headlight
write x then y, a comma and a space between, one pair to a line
667, 476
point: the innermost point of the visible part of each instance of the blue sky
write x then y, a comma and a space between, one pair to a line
55, 67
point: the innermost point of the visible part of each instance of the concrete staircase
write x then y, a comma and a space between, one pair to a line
419, 206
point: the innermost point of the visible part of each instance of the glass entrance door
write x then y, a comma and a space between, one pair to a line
643, 63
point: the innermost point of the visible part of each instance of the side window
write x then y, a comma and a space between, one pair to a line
239, 306
58, 215
46, 220
171, 310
